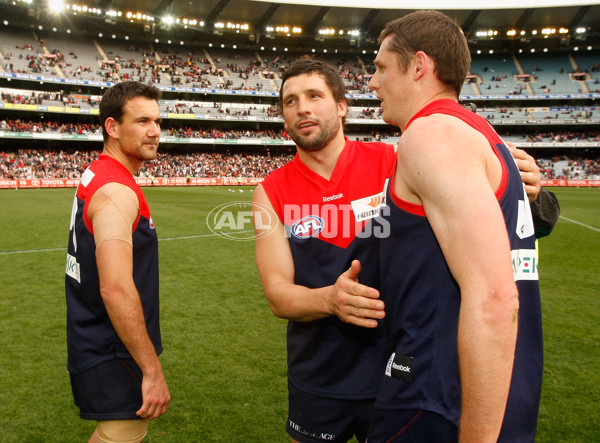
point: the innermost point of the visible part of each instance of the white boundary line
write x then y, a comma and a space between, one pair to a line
184, 237
580, 224
26, 251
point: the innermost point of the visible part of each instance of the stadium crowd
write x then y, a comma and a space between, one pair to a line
389, 135
260, 110
235, 71
19, 125
569, 168
564, 136
30, 163
177, 69
221, 133
29, 97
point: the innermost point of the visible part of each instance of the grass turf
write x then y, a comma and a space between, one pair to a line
224, 354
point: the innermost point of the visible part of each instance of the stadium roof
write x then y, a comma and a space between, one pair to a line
438, 4
329, 13
315, 15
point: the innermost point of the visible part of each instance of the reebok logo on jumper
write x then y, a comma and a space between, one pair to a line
399, 366
333, 197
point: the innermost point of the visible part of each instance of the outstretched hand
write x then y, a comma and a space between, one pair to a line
356, 303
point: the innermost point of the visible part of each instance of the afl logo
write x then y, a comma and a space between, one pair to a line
308, 226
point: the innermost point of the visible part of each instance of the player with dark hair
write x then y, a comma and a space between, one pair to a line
113, 332
309, 66
459, 269
326, 200
114, 100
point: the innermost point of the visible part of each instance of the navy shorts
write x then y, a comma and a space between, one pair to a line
111, 390
411, 426
318, 419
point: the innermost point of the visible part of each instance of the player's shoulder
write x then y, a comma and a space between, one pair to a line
373, 152
122, 196
438, 130
117, 189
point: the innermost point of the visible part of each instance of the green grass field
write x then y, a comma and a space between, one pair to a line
224, 354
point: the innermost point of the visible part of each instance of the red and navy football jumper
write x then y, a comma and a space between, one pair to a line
423, 302
329, 223
91, 337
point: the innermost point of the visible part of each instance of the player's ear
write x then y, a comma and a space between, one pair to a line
112, 127
421, 64
342, 108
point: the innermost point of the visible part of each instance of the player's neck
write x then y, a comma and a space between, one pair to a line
323, 161
421, 98
131, 164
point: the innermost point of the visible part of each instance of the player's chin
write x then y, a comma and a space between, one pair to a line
150, 152
385, 116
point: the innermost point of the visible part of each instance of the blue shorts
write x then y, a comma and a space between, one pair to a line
314, 419
411, 426
111, 390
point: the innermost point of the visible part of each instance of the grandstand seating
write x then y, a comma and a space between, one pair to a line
172, 65
498, 75
550, 73
80, 56
244, 69
21, 51
176, 68
589, 63
28, 163
366, 114
129, 60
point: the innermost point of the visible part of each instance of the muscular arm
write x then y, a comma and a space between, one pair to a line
452, 183
113, 210
351, 301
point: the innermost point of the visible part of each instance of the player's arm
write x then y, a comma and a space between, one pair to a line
113, 210
451, 182
351, 301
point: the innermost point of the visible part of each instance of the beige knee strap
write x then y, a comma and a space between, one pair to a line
122, 431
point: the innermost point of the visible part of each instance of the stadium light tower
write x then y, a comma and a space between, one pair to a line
56, 6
